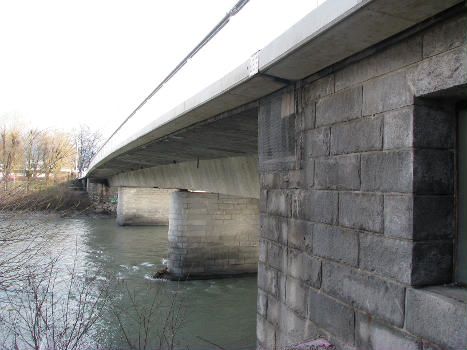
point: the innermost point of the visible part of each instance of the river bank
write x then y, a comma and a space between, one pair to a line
67, 199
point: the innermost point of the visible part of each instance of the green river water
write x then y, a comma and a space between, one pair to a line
221, 311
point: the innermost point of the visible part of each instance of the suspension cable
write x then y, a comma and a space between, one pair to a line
236, 9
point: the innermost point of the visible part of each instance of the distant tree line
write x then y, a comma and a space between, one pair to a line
36, 153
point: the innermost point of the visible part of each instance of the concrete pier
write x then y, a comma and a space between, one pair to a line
212, 235
143, 206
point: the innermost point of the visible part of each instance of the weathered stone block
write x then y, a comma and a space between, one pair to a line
365, 291
278, 203
306, 118
361, 211
282, 227
445, 36
318, 206
265, 333
387, 171
338, 173
378, 254
295, 295
274, 311
331, 315
298, 178
433, 125
338, 107
439, 72
294, 328
387, 60
287, 103
267, 279
262, 303
334, 243
299, 234
275, 254
319, 88
398, 216
386, 93
419, 217
317, 142
269, 227
357, 136
262, 250
434, 217
309, 173
432, 263
398, 128
433, 172
374, 335
428, 311
304, 267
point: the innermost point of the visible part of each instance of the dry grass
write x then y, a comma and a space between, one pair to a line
61, 197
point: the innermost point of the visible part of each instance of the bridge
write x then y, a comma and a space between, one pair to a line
332, 163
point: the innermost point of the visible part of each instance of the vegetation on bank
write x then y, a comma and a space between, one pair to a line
66, 196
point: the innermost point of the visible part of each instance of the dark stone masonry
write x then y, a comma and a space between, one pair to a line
358, 198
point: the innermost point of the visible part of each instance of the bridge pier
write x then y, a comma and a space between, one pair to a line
212, 235
143, 206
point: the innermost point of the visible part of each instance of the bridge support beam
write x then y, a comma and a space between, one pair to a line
143, 206
212, 235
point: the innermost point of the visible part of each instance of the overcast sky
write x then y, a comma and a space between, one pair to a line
66, 62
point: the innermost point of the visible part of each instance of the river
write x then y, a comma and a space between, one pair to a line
220, 311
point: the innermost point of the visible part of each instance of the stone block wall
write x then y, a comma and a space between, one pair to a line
143, 206
358, 199
212, 235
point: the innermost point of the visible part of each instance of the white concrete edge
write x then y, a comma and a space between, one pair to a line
321, 19
233, 79
312, 25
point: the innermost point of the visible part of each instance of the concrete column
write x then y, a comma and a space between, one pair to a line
212, 235
143, 206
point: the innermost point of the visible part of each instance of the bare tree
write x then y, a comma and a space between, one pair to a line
52, 313
57, 152
10, 147
87, 144
33, 150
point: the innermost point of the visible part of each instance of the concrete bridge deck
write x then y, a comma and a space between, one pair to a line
331, 33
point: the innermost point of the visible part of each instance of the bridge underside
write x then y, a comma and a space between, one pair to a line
218, 155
